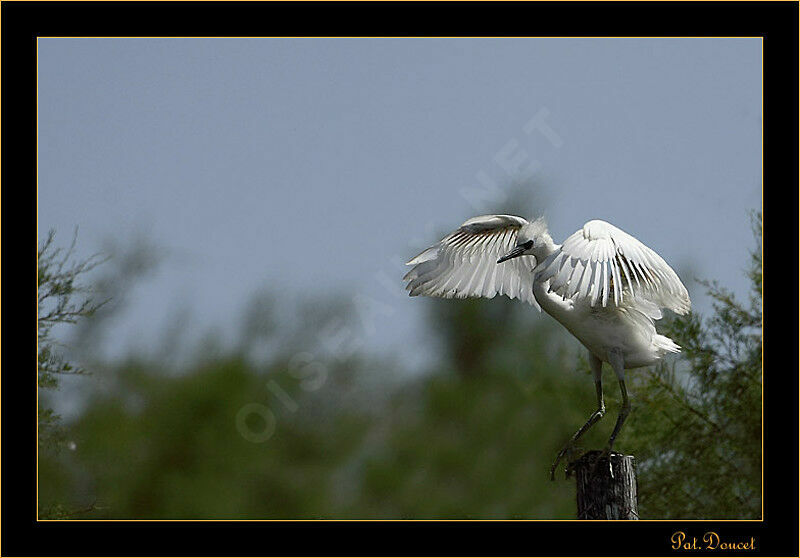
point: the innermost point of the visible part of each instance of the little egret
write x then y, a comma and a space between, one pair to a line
602, 284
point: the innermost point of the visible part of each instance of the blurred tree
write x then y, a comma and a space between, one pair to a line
474, 438
344, 438
62, 299
130, 261
697, 432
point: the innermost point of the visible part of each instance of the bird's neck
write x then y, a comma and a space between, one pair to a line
545, 248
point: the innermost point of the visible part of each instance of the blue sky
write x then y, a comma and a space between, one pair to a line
316, 166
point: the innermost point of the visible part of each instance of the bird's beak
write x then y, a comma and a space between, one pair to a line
516, 252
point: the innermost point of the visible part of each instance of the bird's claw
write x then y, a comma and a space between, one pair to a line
604, 454
568, 449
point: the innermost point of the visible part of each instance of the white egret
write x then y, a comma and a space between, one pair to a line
602, 284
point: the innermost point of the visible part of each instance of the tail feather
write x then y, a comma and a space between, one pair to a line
666, 344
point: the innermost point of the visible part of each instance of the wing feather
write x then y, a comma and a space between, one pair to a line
575, 278
596, 282
603, 254
617, 280
464, 263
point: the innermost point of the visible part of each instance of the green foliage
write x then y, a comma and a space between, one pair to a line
62, 299
161, 444
478, 442
178, 452
697, 428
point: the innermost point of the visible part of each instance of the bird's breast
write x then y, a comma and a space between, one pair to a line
598, 328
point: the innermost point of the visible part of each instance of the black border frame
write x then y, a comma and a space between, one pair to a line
22, 22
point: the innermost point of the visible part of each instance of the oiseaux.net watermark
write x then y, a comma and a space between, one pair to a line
257, 421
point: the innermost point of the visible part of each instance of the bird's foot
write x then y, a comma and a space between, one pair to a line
605, 454
570, 449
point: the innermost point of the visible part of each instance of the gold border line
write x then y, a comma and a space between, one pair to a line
761, 520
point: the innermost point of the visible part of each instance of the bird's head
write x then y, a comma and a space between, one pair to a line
532, 240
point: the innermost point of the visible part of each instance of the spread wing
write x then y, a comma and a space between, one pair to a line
464, 263
601, 262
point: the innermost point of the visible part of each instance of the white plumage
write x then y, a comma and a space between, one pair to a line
602, 284
464, 263
611, 261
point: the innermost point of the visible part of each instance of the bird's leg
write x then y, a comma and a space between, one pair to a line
619, 369
623, 414
596, 365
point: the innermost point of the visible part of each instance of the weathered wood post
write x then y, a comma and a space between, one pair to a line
601, 495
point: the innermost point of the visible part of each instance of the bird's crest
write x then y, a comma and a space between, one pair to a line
534, 229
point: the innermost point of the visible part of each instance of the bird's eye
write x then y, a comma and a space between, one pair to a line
528, 244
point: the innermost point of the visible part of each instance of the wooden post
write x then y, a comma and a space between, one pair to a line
601, 495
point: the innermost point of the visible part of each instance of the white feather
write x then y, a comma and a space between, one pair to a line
464, 263
605, 248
